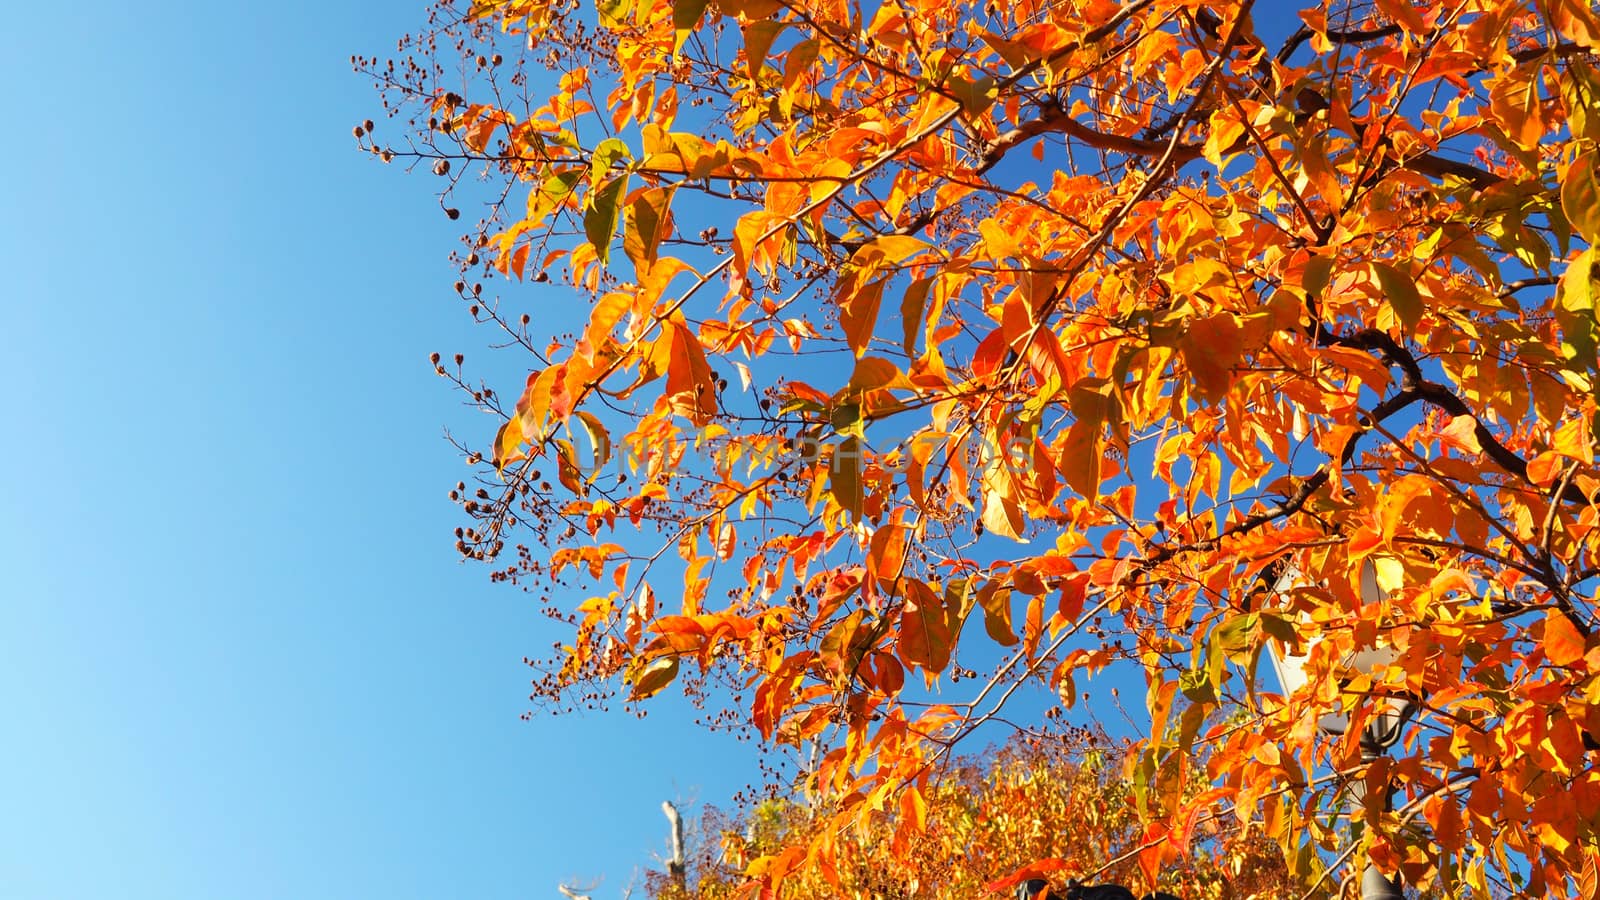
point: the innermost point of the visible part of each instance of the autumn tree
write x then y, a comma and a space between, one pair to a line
937, 350
990, 816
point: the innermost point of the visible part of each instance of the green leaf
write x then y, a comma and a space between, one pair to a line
552, 191
846, 419
1278, 627
1401, 292
1233, 636
758, 38
600, 222
1092, 401
646, 226
1196, 685
958, 598
606, 155
613, 13
1581, 90
685, 17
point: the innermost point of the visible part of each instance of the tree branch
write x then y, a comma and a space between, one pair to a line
1414, 387
1053, 119
1354, 36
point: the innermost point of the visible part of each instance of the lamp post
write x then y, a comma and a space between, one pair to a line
1381, 732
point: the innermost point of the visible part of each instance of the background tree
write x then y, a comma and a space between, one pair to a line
956, 347
992, 815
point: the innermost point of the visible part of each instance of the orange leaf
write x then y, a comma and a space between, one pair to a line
858, 312
1563, 643
690, 387
1079, 459
995, 598
924, 633
886, 554
1461, 435
1211, 347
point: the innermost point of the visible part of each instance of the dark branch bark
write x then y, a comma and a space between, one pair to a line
1053, 119
1415, 387
1438, 167
1356, 36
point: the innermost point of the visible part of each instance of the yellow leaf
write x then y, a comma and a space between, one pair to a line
1079, 460
844, 476
874, 373
599, 438
888, 250
1580, 196
1401, 293
1002, 510
998, 242
1389, 572
1226, 128
507, 442
534, 407
1514, 102
653, 677
1574, 440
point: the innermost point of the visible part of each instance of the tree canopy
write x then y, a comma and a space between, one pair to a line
937, 349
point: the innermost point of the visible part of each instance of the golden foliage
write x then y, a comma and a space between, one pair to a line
1092, 318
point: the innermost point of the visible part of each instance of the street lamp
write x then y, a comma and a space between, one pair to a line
1382, 731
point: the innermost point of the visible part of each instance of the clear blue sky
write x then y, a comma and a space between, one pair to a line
238, 657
